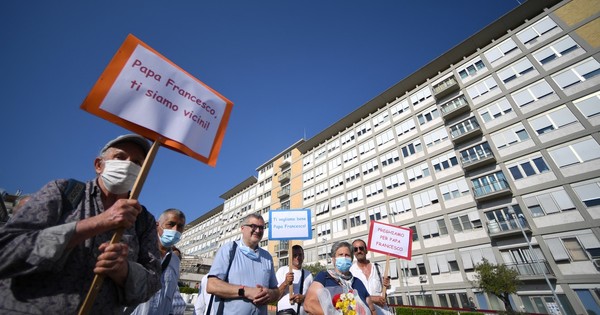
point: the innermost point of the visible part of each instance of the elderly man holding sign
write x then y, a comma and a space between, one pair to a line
59, 240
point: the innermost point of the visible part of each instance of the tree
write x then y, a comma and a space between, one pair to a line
498, 280
315, 268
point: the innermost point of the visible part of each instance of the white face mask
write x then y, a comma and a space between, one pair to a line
119, 176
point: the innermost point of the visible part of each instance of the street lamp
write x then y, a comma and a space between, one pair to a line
517, 219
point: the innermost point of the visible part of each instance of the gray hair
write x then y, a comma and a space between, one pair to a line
246, 219
177, 212
339, 245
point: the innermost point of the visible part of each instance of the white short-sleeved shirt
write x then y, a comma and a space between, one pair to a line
284, 302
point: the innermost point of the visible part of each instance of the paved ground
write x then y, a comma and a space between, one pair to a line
189, 310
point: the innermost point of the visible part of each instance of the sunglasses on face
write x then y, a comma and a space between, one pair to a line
254, 227
361, 248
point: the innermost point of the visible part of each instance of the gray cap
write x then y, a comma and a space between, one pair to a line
139, 140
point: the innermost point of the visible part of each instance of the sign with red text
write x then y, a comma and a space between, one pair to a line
290, 224
144, 92
391, 240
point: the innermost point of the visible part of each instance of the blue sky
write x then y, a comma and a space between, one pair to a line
291, 68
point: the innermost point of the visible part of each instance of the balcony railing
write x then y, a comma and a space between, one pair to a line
465, 130
445, 87
285, 177
531, 269
455, 107
505, 228
492, 190
483, 156
284, 193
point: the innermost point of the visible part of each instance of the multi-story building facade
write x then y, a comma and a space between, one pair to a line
498, 134
490, 151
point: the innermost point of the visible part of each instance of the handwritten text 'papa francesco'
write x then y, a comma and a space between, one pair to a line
289, 223
172, 85
390, 237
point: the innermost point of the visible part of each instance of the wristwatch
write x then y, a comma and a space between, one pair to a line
241, 292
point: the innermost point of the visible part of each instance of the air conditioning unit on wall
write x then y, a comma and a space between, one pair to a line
423, 278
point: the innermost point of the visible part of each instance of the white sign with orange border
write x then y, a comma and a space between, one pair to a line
144, 92
391, 240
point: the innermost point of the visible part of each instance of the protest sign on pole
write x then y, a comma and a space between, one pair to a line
292, 224
391, 240
142, 91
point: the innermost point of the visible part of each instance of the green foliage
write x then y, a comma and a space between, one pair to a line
498, 280
404, 310
314, 268
188, 290
446, 312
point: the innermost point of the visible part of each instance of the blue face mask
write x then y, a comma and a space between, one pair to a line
343, 263
169, 238
247, 251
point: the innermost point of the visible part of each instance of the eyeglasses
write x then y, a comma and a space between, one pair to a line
254, 227
361, 248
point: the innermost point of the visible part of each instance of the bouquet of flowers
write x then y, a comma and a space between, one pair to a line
345, 302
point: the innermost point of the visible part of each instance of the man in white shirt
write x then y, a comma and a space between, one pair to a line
302, 280
371, 275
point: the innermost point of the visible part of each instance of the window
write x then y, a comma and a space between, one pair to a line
548, 202
552, 120
454, 189
373, 188
498, 52
348, 138
366, 147
352, 174
510, 136
385, 137
337, 202
581, 151
532, 93
399, 205
515, 70
308, 176
377, 213
533, 33
482, 87
504, 218
433, 228
427, 115
589, 105
444, 161
335, 164
333, 145
418, 172
573, 247
412, 148
425, 198
529, 166
322, 208
588, 193
555, 50
405, 126
307, 194
363, 129
307, 160
324, 229
340, 225
435, 137
395, 180
369, 166
578, 73
471, 69
400, 107
466, 222
358, 218
420, 96
354, 196
336, 181
349, 155
320, 170
389, 158
474, 256
416, 267
381, 118
321, 188
495, 110
443, 263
